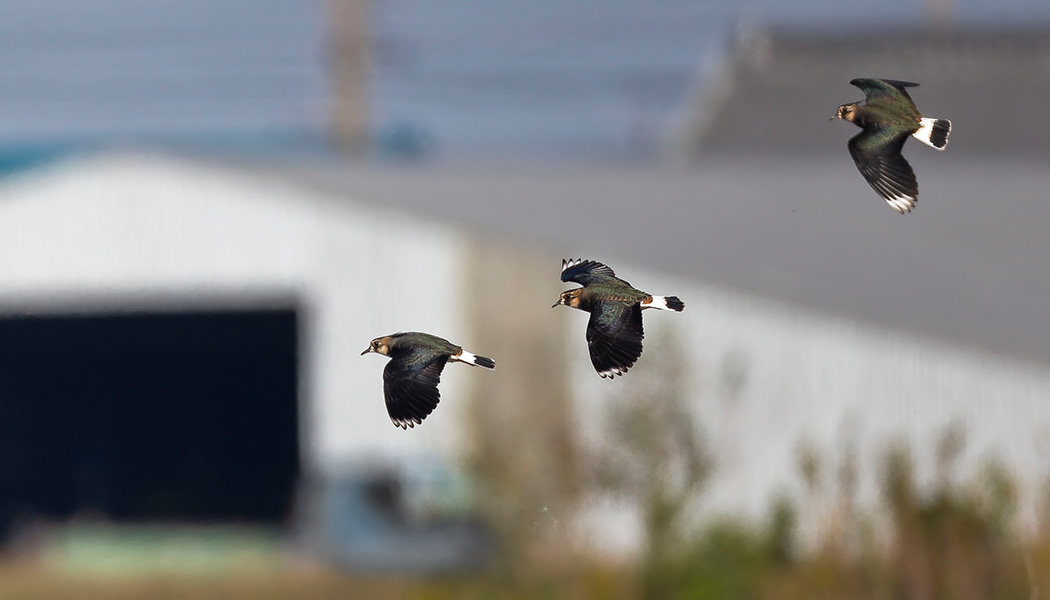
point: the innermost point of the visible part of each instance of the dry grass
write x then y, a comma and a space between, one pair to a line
24, 582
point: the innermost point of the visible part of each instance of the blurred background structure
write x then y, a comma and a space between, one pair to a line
208, 209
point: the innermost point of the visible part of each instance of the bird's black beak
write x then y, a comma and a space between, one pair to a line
367, 350
556, 304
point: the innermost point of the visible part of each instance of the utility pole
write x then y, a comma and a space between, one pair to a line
349, 45
941, 13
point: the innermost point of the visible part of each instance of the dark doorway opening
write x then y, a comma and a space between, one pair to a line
186, 417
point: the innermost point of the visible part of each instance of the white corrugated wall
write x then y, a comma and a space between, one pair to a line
140, 233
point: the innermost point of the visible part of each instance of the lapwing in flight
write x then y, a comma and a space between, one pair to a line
888, 117
614, 331
411, 377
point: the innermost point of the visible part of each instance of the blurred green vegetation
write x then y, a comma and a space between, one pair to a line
958, 541
956, 538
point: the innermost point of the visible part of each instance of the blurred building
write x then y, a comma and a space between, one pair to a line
182, 344
815, 314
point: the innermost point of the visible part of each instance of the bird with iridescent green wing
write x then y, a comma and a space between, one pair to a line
411, 377
888, 117
614, 331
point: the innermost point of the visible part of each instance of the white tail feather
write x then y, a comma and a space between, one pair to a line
671, 303
933, 132
474, 359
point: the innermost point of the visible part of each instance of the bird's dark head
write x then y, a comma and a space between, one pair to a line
846, 112
379, 346
569, 298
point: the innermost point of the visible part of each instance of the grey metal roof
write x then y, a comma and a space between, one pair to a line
73, 70
968, 266
782, 86
587, 76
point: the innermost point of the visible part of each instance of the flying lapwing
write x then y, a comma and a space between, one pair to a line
888, 117
614, 331
411, 377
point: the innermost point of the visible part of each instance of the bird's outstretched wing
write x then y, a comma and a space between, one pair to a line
410, 387
877, 153
888, 89
585, 272
614, 337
